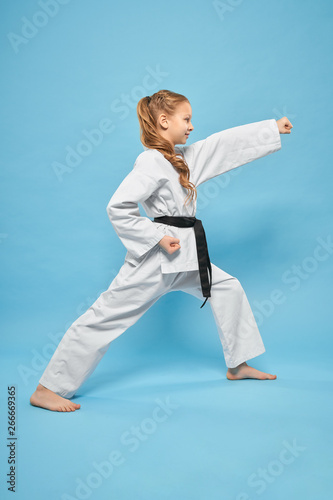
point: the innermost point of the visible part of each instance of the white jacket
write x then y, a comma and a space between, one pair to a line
154, 182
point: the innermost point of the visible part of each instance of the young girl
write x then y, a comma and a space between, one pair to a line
167, 253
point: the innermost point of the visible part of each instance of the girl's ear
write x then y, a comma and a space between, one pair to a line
163, 121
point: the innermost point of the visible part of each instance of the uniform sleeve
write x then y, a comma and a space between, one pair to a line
231, 148
138, 234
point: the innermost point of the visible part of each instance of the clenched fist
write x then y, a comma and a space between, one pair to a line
169, 244
284, 125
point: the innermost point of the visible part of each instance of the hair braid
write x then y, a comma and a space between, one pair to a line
148, 109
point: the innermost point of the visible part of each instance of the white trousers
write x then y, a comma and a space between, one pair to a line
132, 292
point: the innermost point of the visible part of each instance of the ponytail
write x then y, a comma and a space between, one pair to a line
148, 109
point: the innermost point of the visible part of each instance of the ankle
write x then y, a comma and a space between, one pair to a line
235, 370
40, 387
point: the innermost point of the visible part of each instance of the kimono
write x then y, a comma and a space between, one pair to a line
149, 271
154, 183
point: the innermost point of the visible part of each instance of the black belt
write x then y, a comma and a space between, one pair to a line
202, 249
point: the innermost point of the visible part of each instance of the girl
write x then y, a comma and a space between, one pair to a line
167, 253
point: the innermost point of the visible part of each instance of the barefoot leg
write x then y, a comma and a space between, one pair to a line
45, 398
117, 309
245, 371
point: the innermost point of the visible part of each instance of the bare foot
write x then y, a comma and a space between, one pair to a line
45, 398
245, 371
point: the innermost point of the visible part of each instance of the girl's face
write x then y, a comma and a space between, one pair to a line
177, 128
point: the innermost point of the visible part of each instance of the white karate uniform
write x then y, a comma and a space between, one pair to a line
149, 271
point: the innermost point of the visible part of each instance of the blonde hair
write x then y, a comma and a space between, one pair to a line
148, 110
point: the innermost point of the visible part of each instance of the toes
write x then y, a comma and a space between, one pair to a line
68, 406
72, 407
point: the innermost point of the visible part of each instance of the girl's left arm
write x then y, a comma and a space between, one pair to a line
137, 233
233, 147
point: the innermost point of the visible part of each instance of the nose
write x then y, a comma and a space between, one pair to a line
191, 126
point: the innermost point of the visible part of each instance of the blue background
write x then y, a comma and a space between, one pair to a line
239, 63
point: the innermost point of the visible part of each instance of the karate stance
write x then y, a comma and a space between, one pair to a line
168, 253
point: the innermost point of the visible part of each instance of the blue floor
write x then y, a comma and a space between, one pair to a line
178, 429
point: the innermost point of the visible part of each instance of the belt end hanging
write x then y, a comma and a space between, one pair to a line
204, 303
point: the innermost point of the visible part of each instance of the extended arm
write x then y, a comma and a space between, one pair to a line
231, 148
